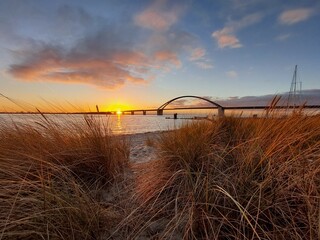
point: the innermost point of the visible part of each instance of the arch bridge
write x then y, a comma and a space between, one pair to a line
220, 108
163, 106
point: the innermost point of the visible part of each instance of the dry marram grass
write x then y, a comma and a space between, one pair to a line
49, 177
232, 178
236, 179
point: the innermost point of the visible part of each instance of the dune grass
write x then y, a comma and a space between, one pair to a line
51, 176
235, 179
230, 178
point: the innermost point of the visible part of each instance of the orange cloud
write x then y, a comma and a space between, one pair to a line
155, 20
164, 43
168, 56
225, 39
157, 17
50, 64
105, 56
290, 17
226, 36
198, 57
197, 54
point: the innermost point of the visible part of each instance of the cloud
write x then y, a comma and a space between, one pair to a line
226, 39
226, 36
283, 37
294, 16
166, 42
310, 96
198, 56
54, 64
102, 52
180, 103
232, 74
191, 102
104, 56
204, 64
245, 21
158, 16
167, 47
105, 59
168, 57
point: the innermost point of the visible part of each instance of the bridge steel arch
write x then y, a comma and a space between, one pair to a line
163, 106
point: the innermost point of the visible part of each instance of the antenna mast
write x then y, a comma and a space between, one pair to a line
294, 97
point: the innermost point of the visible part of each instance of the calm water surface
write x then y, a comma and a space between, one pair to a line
118, 124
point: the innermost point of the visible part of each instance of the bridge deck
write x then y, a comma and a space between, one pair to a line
226, 108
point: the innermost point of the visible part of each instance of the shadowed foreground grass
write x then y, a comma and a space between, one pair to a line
50, 176
233, 178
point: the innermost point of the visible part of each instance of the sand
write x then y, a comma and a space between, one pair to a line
142, 149
142, 146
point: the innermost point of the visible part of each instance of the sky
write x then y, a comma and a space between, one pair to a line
75, 54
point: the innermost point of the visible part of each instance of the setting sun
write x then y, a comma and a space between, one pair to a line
119, 112
117, 107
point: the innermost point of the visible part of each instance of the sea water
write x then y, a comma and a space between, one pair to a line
115, 124
123, 124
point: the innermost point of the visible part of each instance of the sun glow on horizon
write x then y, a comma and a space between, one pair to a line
117, 107
119, 112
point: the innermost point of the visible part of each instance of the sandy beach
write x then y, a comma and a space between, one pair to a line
142, 147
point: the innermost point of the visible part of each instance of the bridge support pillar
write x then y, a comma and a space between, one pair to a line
160, 112
220, 112
132, 112
144, 112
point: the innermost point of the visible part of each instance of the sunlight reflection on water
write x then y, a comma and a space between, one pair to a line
122, 124
116, 124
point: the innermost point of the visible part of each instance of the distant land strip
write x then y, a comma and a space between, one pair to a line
171, 109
